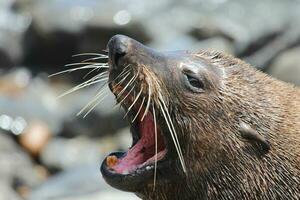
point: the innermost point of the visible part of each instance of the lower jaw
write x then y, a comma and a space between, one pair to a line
142, 178
131, 182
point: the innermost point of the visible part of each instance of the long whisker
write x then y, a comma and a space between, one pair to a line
139, 110
93, 103
89, 64
125, 96
95, 69
88, 54
92, 59
171, 123
129, 82
148, 102
123, 72
135, 100
123, 79
98, 78
104, 65
75, 69
156, 149
99, 101
172, 132
94, 99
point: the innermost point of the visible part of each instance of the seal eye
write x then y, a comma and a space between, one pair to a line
195, 83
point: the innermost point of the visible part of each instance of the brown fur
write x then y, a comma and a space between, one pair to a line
221, 164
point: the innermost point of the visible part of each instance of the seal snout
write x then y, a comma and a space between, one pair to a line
118, 47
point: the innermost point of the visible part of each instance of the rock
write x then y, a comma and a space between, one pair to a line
12, 27
7, 192
5, 60
77, 27
35, 137
267, 53
219, 43
24, 100
17, 171
15, 164
123, 138
79, 183
86, 26
287, 66
62, 153
21, 99
103, 120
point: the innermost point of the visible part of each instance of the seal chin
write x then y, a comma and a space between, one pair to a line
134, 168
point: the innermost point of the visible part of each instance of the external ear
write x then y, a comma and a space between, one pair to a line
252, 135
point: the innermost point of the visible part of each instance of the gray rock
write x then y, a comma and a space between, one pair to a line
77, 26
287, 39
12, 28
102, 121
30, 105
84, 183
287, 66
241, 21
62, 153
15, 164
6, 192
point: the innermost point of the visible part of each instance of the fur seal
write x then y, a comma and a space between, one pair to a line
205, 125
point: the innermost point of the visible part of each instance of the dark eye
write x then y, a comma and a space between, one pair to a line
194, 82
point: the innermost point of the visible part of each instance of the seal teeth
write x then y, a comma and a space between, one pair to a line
111, 161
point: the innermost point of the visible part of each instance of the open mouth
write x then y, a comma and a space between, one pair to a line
143, 152
147, 152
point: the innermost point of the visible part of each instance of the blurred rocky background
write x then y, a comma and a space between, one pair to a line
46, 151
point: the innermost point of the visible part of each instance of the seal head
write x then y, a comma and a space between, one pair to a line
204, 125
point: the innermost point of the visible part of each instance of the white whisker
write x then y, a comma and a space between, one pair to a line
123, 72
94, 99
89, 54
125, 87
95, 69
95, 64
92, 81
99, 101
125, 97
139, 110
95, 58
123, 79
74, 69
148, 102
156, 149
172, 132
135, 100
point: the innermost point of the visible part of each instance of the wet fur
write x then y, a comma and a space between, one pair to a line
220, 163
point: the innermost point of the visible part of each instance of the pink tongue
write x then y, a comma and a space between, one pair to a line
141, 151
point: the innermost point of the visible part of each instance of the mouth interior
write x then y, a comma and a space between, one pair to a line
142, 153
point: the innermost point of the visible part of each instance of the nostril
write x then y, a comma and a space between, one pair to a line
118, 55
